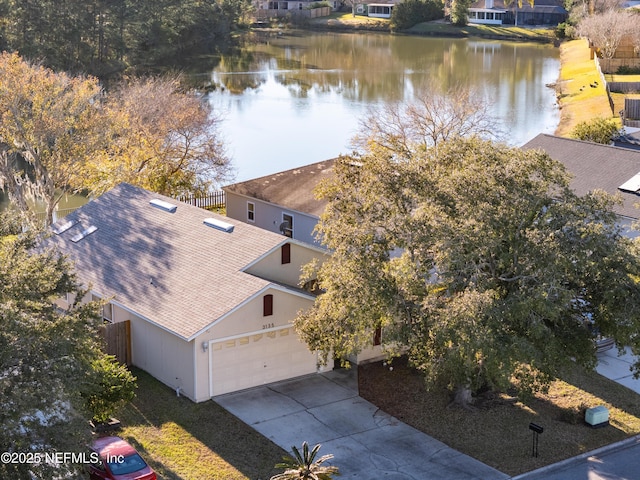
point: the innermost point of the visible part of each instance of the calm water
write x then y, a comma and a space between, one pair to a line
297, 98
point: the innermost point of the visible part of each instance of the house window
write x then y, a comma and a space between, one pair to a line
107, 310
377, 336
287, 225
251, 212
107, 313
267, 305
285, 253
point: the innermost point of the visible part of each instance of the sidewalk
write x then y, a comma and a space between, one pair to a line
616, 368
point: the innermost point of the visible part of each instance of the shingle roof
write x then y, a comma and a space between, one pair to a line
168, 267
594, 166
292, 189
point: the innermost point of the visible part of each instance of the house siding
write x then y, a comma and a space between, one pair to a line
269, 217
271, 268
163, 355
248, 319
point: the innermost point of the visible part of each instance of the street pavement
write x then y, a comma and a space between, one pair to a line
619, 461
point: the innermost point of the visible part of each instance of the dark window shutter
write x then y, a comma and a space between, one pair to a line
285, 250
377, 336
267, 305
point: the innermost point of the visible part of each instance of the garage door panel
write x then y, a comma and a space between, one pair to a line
258, 359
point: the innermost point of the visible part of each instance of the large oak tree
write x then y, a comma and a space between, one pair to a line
476, 260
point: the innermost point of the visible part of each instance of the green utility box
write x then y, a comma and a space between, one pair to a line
597, 416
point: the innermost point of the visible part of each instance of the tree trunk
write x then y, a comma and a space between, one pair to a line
462, 397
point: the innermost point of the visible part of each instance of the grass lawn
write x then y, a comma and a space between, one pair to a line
347, 21
188, 441
497, 432
439, 28
579, 101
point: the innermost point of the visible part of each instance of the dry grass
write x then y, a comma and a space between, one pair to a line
579, 101
497, 433
492, 31
182, 440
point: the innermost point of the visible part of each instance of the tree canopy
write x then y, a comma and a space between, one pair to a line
47, 356
476, 260
60, 133
103, 37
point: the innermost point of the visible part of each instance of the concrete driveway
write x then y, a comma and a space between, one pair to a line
366, 442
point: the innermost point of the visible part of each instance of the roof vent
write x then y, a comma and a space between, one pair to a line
218, 224
63, 227
632, 185
86, 232
162, 205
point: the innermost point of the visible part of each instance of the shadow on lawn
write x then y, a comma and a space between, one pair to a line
497, 432
219, 444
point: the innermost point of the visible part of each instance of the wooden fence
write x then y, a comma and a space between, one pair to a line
215, 199
118, 339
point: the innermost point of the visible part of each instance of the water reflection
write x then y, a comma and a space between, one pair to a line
296, 98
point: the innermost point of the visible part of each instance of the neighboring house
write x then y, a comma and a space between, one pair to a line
594, 166
380, 10
210, 300
629, 139
283, 202
495, 12
280, 8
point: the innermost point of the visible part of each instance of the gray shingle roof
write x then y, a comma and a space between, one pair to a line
594, 166
168, 267
292, 189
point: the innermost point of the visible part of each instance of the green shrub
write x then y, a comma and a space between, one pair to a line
598, 130
460, 12
313, 5
408, 13
565, 30
627, 70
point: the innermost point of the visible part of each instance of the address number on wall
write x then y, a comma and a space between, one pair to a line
267, 325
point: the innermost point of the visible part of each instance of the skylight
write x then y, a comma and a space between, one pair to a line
162, 205
63, 227
218, 224
87, 231
632, 185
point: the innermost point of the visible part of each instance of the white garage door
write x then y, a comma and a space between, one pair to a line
258, 359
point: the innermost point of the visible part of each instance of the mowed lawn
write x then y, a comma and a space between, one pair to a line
188, 441
580, 90
497, 433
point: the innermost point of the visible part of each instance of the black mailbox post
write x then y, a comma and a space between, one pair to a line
537, 430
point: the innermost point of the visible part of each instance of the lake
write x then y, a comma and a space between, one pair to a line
296, 98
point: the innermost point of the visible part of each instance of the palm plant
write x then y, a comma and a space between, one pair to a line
305, 466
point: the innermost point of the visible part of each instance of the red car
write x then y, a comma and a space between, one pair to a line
118, 461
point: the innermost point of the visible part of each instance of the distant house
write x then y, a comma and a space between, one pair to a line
209, 300
297, 8
630, 139
283, 202
495, 12
594, 166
